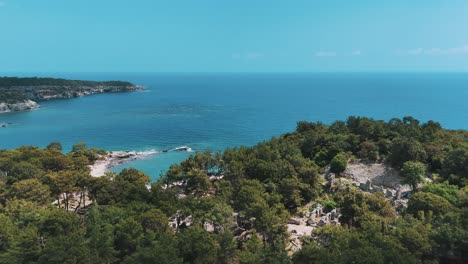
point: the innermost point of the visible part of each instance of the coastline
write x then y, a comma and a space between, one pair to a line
114, 158
23, 94
26, 105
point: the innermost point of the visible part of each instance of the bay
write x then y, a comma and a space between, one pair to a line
219, 110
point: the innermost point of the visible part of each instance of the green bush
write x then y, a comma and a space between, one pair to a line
338, 163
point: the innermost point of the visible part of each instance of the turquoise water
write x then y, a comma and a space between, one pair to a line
215, 111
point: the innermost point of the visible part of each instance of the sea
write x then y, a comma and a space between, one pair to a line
219, 110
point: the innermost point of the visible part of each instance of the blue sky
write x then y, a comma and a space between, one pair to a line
233, 36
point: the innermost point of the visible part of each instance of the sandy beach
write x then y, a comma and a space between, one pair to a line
102, 165
113, 158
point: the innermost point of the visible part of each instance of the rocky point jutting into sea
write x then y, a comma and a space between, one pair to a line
18, 106
22, 94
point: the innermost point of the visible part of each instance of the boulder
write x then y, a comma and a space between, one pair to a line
187, 222
389, 193
377, 189
368, 185
208, 227
321, 222
398, 193
293, 221
400, 204
238, 231
319, 210
328, 217
334, 214
363, 186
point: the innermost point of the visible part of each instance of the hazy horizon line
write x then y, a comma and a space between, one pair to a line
9, 73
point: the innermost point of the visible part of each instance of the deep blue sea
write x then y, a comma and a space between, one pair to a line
215, 111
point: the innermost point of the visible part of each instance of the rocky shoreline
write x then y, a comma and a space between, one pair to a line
19, 106
33, 94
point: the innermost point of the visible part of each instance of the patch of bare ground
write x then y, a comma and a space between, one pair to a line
379, 174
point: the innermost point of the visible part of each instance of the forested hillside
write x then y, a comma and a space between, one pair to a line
235, 206
15, 90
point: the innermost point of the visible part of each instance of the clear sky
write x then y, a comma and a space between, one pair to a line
233, 36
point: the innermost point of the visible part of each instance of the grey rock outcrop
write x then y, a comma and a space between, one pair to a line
19, 106
293, 221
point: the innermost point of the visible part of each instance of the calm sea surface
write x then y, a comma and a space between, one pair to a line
215, 111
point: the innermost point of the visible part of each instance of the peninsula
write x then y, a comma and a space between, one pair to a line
22, 94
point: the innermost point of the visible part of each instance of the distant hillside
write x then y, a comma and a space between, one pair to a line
19, 94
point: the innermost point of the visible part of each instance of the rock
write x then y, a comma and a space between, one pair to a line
368, 185
216, 178
183, 148
187, 222
400, 204
173, 225
19, 106
406, 194
324, 220
398, 193
377, 189
328, 217
331, 183
297, 243
301, 214
389, 193
126, 156
363, 186
208, 227
238, 231
319, 209
334, 214
313, 215
293, 221
245, 236
321, 222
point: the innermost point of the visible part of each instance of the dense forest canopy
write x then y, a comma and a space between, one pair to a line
35, 81
234, 207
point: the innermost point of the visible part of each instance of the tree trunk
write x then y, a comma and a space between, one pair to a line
66, 201
79, 203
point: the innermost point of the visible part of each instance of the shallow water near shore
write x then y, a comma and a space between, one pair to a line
215, 111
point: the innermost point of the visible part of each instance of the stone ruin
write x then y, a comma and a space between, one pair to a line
398, 196
317, 217
305, 222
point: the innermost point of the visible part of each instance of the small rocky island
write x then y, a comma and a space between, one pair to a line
22, 94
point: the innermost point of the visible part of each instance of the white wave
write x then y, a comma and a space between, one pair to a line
133, 154
147, 153
182, 148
